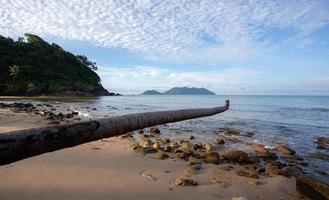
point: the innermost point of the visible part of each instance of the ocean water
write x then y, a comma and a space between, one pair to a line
294, 120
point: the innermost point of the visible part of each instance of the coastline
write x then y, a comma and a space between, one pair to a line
104, 170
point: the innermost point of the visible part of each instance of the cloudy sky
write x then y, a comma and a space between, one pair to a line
230, 47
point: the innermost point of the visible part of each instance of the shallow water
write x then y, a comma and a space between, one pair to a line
294, 120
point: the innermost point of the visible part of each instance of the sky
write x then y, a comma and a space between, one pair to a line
230, 47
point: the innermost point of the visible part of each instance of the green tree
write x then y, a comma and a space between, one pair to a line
13, 72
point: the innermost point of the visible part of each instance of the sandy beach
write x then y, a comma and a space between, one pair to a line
107, 170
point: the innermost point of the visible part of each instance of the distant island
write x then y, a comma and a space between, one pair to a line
181, 91
35, 67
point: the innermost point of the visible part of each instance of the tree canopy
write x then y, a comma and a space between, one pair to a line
33, 66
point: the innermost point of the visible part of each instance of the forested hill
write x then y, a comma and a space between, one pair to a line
32, 66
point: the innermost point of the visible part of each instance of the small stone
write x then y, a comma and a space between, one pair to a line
208, 146
144, 142
133, 147
196, 166
194, 161
186, 146
162, 155
168, 149
154, 131
219, 141
233, 139
260, 149
231, 132
246, 174
212, 157
185, 182
156, 145
191, 137
236, 156
284, 149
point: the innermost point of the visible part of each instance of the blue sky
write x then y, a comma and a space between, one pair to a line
230, 47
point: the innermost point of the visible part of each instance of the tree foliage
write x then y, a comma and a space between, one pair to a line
33, 66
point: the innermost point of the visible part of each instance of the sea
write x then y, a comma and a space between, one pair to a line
296, 121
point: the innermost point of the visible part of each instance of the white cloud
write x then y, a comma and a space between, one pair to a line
181, 31
135, 80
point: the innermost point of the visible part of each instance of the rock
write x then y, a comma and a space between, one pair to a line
144, 142
233, 139
182, 155
313, 187
154, 131
198, 146
156, 145
185, 182
191, 137
167, 141
133, 147
260, 149
219, 141
162, 155
194, 161
186, 146
248, 134
208, 146
231, 132
291, 171
246, 174
212, 157
94, 109
148, 176
284, 149
236, 156
140, 131
323, 143
196, 167
168, 149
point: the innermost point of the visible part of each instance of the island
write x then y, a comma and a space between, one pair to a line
181, 91
33, 67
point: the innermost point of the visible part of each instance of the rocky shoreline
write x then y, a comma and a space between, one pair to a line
279, 161
259, 162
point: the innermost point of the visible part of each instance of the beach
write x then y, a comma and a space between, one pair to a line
106, 169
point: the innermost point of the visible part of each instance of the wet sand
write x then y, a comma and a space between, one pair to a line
107, 170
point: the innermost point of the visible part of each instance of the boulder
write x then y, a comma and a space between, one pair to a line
313, 187
208, 146
219, 141
144, 142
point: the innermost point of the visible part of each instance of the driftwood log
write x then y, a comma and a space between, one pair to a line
18, 145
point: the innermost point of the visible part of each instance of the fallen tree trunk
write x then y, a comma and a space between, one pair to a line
18, 145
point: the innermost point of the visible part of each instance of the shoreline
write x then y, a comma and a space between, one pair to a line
103, 169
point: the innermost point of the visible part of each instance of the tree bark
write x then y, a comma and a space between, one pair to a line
18, 145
